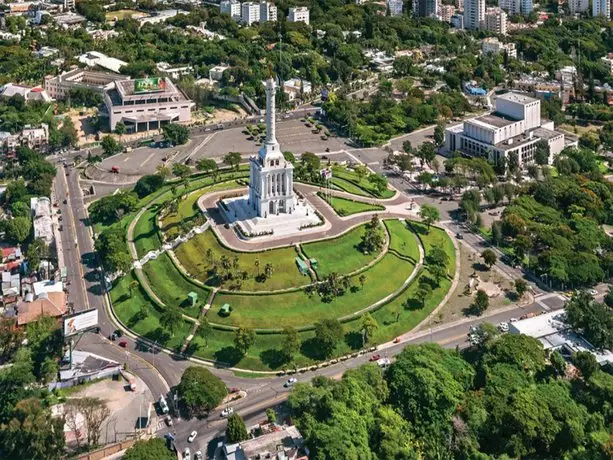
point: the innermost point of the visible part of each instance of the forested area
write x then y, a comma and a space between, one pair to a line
503, 399
554, 226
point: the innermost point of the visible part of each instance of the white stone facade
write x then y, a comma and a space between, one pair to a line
271, 175
299, 14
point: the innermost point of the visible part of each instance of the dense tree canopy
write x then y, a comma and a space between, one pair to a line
200, 390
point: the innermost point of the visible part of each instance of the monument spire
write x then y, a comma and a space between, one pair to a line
271, 138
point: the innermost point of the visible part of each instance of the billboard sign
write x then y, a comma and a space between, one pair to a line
149, 85
79, 322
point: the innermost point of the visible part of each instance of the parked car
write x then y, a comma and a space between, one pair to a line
186, 454
227, 412
198, 455
168, 420
192, 436
290, 382
503, 326
384, 362
123, 344
593, 292
459, 236
375, 357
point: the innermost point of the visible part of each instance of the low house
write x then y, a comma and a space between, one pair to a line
280, 442
45, 304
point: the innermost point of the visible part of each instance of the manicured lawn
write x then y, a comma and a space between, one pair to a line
189, 210
349, 187
193, 256
344, 207
340, 255
145, 235
127, 307
299, 309
403, 240
364, 184
436, 237
171, 287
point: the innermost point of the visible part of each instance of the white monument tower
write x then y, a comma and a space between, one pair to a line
271, 176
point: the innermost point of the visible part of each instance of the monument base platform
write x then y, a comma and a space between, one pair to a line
237, 211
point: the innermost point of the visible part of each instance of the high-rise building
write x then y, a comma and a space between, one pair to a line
446, 12
495, 21
426, 8
268, 12
69, 5
474, 14
459, 4
395, 7
457, 21
578, 6
250, 12
299, 14
601, 8
231, 7
516, 7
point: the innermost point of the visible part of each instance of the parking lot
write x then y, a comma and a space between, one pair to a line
293, 136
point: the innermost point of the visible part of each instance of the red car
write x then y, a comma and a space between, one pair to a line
374, 358
123, 344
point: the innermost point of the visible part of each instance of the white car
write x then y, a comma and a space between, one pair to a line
198, 455
192, 436
290, 382
593, 292
503, 327
383, 362
227, 412
512, 320
186, 454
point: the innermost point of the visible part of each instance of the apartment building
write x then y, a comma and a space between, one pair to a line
395, 7
474, 14
299, 14
495, 21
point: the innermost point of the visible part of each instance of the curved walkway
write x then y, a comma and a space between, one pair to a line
334, 224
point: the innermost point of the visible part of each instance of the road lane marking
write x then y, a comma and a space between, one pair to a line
147, 159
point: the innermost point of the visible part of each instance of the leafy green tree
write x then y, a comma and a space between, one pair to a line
426, 152
379, 181
110, 146
206, 165
200, 390
424, 291
558, 363
10, 338
148, 184
150, 449
112, 247
593, 319
120, 128
439, 135
232, 159
489, 258
244, 339
32, 433
369, 326
429, 214
520, 287
271, 415
328, 333
18, 229
437, 256
480, 303
175, 134
236, 431
586, 363
171, 319
426, 384
520, 351
541, 154
181, 170
291, 342
373, 238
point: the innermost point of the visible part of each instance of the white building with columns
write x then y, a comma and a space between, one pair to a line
271, 175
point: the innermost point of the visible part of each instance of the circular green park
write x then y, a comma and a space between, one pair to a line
260, 310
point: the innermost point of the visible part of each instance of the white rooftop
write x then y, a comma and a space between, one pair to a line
541, 325
47, 286
95, 58
517, 97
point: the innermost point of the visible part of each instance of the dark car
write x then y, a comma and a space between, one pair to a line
123, 344
459, 236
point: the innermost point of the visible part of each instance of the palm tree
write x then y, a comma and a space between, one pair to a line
268, 270
171, 318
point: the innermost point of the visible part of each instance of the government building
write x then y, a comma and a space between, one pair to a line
515, 127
